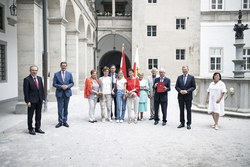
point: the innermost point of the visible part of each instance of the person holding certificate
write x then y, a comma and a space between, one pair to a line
162, 87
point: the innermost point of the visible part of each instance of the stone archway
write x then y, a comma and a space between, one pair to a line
112, 57
110, 46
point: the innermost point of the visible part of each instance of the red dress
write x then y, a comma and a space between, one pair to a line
133, 84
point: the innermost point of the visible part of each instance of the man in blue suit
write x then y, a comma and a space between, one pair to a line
161, 97
113, 75
185, 85
63, 81
34, 98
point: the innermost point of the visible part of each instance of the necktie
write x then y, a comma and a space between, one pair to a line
36, 83
63, 76
184, 79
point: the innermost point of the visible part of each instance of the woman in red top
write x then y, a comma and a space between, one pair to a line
133, 87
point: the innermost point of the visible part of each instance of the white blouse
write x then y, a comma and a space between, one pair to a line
120, 83
106, 85
215, 90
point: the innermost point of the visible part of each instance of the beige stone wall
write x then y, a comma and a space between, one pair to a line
168, 39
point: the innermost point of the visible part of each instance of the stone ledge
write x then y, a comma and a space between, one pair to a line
227, 113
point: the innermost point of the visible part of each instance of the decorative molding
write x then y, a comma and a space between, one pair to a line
72, 32
11, 21
57, 20
83, 39
36, 2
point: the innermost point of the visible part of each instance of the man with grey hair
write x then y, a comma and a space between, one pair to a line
151, 95
162, 86
34, 98
185, 85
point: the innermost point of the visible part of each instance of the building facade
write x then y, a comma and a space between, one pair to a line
217, 36
8, 52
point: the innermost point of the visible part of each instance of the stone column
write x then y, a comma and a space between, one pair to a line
90, 56
72, 57
56, 46
238, 62
29, 43
113, 8
82, 62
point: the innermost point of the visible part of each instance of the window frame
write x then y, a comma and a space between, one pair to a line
180, 49
216, 5
3, 7
5, 62
246, 56
180, 19
216, 56
248, 5
152, 63
151, 31
152, 1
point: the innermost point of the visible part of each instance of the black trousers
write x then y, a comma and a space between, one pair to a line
188, 104
164, 106
114, 98
35, 107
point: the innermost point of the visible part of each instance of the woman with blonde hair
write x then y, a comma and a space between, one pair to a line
120, 90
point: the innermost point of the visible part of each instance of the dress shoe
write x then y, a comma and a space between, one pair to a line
188, 127
156, 122
163, 123
95, 120
32, 132
151, 119
181, 126
66, 124
91, 121
58, 125
39, 131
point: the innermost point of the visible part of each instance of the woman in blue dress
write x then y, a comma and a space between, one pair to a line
143, 95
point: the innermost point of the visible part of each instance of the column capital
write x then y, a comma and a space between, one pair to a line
90, 44
57, 20
73, 32
83, 39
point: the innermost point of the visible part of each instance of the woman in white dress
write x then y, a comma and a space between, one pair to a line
215, 98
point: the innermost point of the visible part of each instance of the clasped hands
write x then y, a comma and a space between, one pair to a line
64, 87
183, 92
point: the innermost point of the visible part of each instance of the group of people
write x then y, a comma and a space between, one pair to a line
130, 93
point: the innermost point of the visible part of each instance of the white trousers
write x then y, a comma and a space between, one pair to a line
132, 101
92, 105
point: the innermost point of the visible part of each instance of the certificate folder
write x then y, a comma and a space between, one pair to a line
160, 87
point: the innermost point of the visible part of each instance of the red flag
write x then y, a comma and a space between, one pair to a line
136, 63
123, 63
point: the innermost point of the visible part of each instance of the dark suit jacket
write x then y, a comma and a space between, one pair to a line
162, 97
31, 93
190, 86
58, 82
116, 75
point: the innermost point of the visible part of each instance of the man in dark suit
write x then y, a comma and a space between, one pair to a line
113, 75
185, 85
63, 81
34, 98
161, 97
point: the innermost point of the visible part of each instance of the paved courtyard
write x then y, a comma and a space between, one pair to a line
123, 144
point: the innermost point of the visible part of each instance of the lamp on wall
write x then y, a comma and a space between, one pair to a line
13, 9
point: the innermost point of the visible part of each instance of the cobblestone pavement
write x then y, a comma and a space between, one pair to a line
123, 144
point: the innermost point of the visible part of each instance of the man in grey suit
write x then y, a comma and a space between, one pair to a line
151, 81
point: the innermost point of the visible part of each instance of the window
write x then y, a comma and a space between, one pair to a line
246, 57
180, 24
216, 4
152, 1
180, 54
2, 27
152, 63
2, 61
151, 30
216, 59
246, 4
